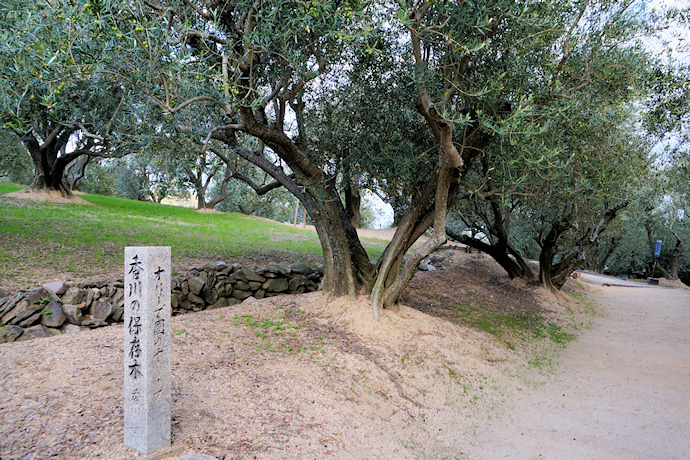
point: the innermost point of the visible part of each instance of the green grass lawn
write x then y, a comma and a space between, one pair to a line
84, 240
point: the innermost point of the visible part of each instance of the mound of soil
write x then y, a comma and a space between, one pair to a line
53, 196
290, 377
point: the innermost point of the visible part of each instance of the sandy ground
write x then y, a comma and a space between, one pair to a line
331, 383
289, 377
621, 391
52, 196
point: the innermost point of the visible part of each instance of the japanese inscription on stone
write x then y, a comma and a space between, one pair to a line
147, 348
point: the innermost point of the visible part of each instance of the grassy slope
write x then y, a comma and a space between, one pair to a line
83, 240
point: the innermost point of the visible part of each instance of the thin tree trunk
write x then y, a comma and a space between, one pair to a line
675, 258
353, 201
77, 172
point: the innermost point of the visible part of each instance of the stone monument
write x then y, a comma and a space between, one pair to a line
147, 348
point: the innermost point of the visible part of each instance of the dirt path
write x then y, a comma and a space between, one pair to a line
621, 391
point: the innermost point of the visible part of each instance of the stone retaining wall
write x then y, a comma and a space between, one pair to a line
65, 307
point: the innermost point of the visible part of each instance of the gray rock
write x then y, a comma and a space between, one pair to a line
196, 284
34, 332
315, 277
220, 265
92, 322
254, 285
175, 283
426, 268
120, 303
11, 303
301, 269
184, 286
240, 295
41, 295
275, 285
210, 295
221, 303
196, 300
239, 275
100, 310
70, 329
185, 304
56, 287
260, 294
73, 296
93, 284
275, 269
232, 302
53, 315
246, 275
20, 312
4, 292
297, 281
89, 296
241, 285
118, 295
224, 289
72, 313
174, 301
30, 321
250, 299
10, 333
118, 312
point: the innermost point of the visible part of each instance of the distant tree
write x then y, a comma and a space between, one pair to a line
15, 162
56, 104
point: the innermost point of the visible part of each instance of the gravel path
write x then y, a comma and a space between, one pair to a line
621, 391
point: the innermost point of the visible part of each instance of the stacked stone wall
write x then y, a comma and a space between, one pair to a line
67, 307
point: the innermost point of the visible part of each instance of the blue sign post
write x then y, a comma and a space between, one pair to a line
657, 251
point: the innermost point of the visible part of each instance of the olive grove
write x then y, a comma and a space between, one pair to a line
486, 108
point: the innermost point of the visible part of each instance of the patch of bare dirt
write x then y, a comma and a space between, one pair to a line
673, 283
208, 211
480, 275
52, 196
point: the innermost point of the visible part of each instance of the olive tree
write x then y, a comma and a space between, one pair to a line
480, 72
49, 97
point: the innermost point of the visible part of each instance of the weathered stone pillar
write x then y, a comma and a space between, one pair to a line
147, 348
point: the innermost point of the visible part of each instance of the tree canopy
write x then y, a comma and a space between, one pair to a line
536, 113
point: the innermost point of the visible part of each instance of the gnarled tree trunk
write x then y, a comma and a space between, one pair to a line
553, 276
499, 248
50, 160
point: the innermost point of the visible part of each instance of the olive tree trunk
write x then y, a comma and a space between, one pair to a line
554, 275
